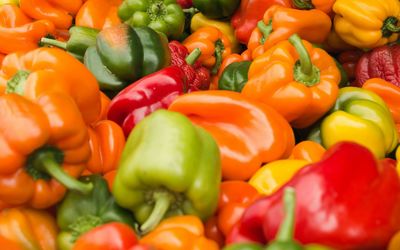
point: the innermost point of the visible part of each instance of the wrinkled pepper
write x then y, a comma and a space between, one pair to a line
299, 81
362, 204
307, 150
279, 23
179, 233
145, 96
165, 16
20, 33
367, 27
234, 76
349, 60
123, 54
98, 14
248, 133
79, 213
217, 9
58, 12
184, 177
361, 116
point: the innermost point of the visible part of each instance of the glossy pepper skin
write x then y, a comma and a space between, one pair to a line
216, 9
248, 133
19, 32
382, 62
381, 16
323, 5
165, 16
279, 23
361, 116
123, 54
185, 3
293, 78
307, 150
362, 203
234, 76
28, 229
58, 12
145, 96
186, 174
179, 233
79, 213
249, 13
98, 14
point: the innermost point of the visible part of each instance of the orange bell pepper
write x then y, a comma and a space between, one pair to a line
8, 244
215, 46
1, 58
27, 229
43, 147
299, 81
247, 132
179, 233
279, 23
104, 103
59, 12
334, 43
30, 73
323, 5
20, 33
98, 14
307, 150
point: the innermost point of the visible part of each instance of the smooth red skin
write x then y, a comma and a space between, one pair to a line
152, 92
382, 62
185, 3
346, 201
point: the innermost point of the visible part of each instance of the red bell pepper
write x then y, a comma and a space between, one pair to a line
185, 3
349, 60
145, 96
348, 200
249, 13
382, 62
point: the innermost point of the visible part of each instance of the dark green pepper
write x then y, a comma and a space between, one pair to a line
165, 16
216, 9
234, 76
79, 213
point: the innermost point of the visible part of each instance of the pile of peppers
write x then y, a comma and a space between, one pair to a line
199, 125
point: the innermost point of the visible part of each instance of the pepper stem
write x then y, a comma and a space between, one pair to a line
192, 11
286, 229
219, 50
53, 42
162, 203
303, 4
17, 83
193, 56
390, 26
265, 29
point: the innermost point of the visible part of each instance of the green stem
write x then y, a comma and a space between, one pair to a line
192, 11
265, 30
193, 56
303, 4
286, 229
17, 83
162, 203
53, 42
390, 26
219, 49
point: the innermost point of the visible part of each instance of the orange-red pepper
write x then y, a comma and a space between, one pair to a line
30, 74
20, 33
307, 150
247, 132
98, 14
59, 12
215, 46
179, 233
279, 23
27, 229
323, 5
299, 81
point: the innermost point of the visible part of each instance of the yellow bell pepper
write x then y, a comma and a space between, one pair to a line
199, 21
368, 23
4, 2
275, 174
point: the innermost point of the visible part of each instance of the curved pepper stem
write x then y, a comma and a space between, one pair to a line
17, 83
53, 42
390, 26
162, 203
265, 30
303, 4
219, 50
193, 56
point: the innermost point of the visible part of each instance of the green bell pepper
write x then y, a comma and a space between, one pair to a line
168, 167
217, 9
244, 246
165, 16
361, 116
123, 54
79, 213
235, 76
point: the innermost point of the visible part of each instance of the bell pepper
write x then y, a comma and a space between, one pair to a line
29, 74
394, 243
28, 229
58, 12
104, 103
279, 23
248, 133
123, 54
249, 13
216, 9
235, 76
370, 27
5, 2
165, 16
179, 233
185, 3
382, 62
9, 244
334, 43
145, 96
98, 14
199, 21
361, 204
198, 77
244, 246
20, 33
323, 5
349, 60
307, 150
185, 175
79, 213
299, 81
361, 116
